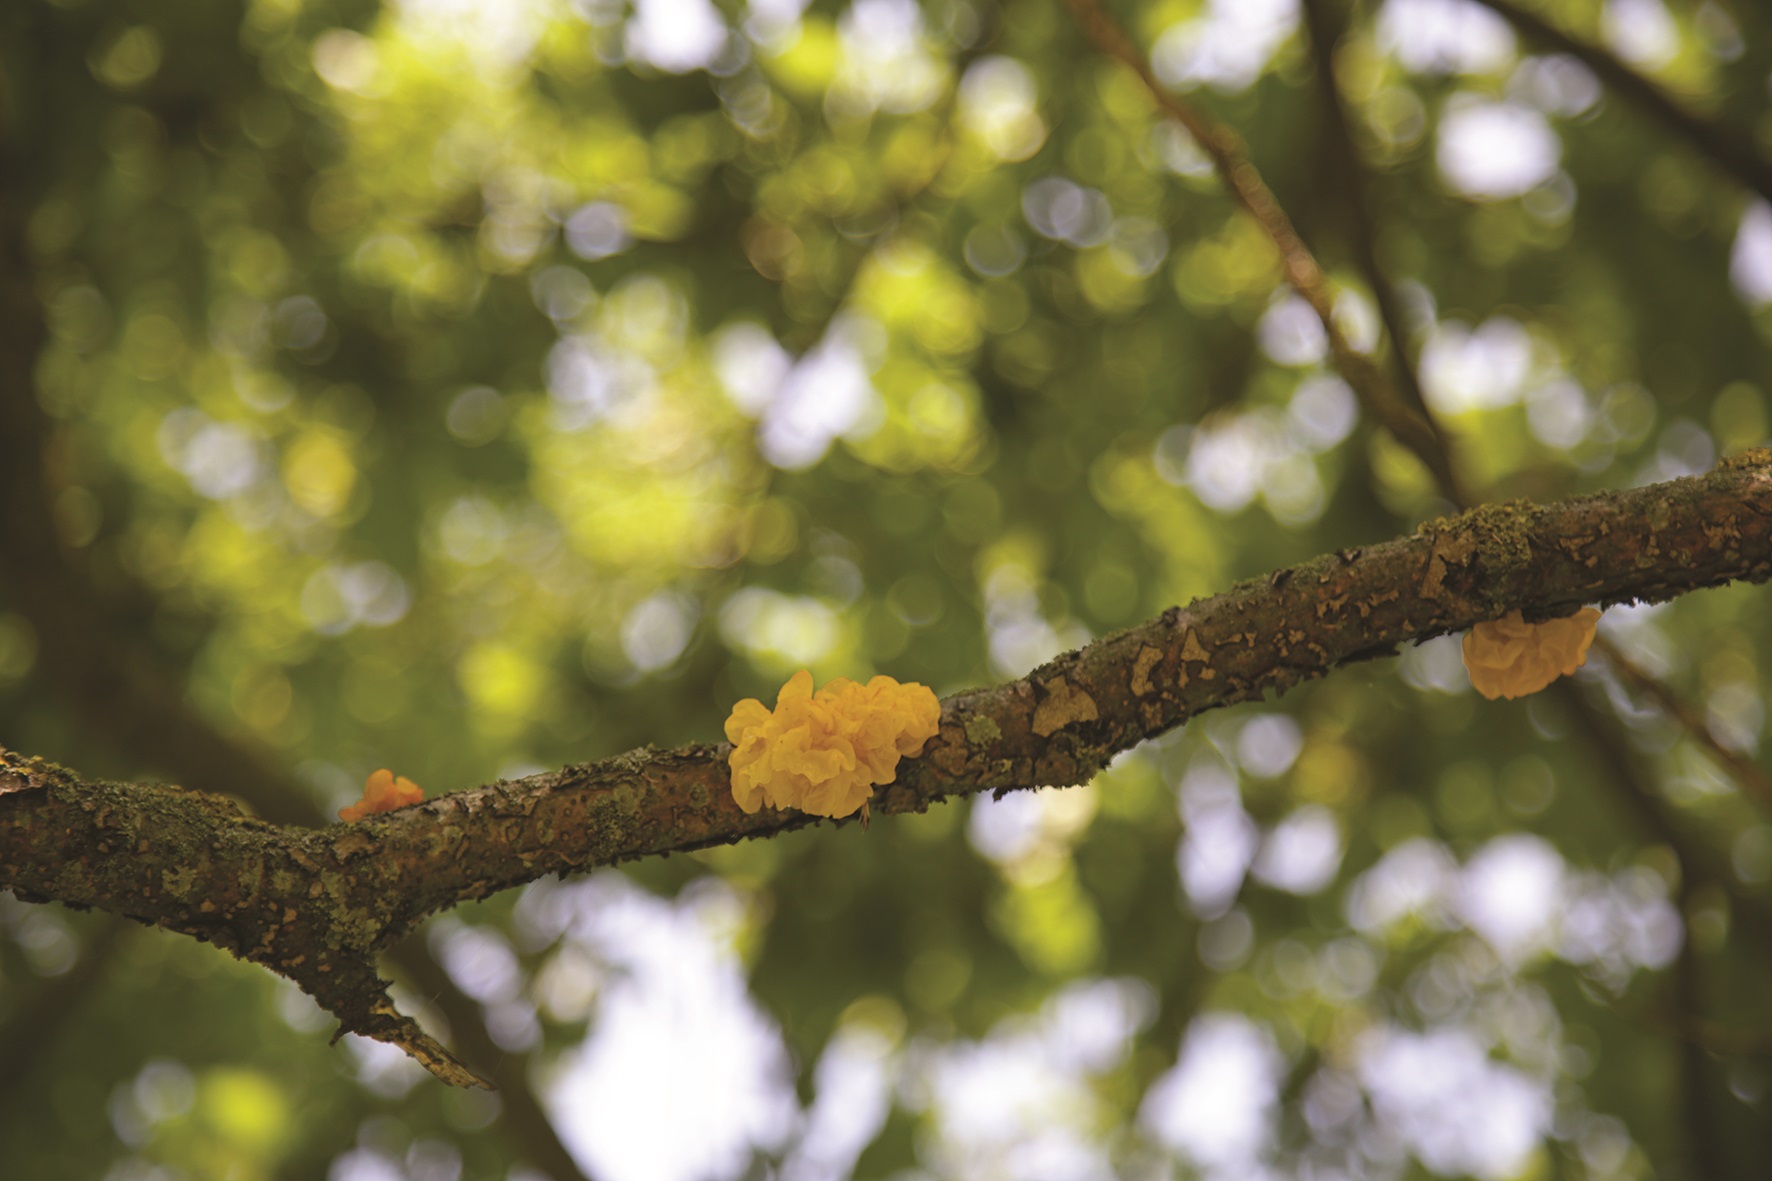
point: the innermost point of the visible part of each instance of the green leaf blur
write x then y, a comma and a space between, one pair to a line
469, 387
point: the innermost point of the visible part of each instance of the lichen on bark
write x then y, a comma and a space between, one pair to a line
317, 905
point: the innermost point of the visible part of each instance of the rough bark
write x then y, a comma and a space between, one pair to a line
316, 905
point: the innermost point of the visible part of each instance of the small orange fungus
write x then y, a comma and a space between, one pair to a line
1510, 658
383, 793
825, 752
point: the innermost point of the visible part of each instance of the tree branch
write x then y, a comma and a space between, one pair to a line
1625, 783
30, 1034
1698, 1110
1324, 34
1230, 158
1748, 775
1730, 151
1412, 422
117, 690
317, 905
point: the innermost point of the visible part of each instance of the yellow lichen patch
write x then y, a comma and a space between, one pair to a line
1191, 649
1064, 704
383, 793
981, 730
1510, 658
1147, 659
825, 752
1448, 548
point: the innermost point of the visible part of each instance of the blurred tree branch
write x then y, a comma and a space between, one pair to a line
1732, 152
1636, 794
1624, 782
1638, 799
316, 905
1408, 424
1709, 1035
1697, 1109
126, 702
28, 1037
1324, 32
121, 695
1748, 775
158, 692
1241, 176
1235, 170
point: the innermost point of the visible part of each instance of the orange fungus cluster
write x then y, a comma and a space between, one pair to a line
1510, 658
825, 752
383, 793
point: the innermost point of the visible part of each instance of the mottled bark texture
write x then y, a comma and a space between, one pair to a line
316, 905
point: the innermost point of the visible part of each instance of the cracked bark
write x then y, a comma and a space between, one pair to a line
316, 905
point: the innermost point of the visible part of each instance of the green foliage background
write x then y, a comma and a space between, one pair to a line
393, 371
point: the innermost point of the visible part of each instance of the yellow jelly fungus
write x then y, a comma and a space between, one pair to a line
1510, 658
825, 752
383, 793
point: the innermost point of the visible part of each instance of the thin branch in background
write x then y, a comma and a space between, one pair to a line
1748, 775
199, 756
1728, 149
1696, 1110
1713, 1036
1636, 794
121, 696
1637, 798
27, 1039
1230, 157
526, 1122
1324, 34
